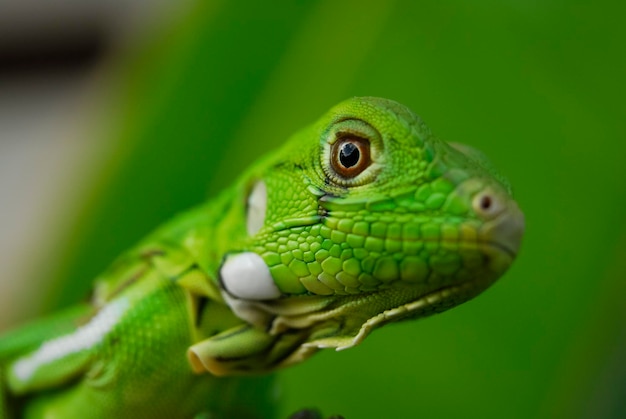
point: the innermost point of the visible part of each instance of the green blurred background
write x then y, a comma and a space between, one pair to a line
539, 86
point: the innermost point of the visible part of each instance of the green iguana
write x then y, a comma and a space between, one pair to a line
361, 219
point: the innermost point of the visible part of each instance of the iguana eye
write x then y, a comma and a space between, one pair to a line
352, 153
350, 156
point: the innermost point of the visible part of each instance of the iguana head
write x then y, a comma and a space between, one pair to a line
360, 219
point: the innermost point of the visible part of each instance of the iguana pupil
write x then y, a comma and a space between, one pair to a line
485, 202
349, 155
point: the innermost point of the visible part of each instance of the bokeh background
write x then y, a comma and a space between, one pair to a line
115, 116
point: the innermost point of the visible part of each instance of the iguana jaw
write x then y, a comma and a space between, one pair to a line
344, 321
286, 330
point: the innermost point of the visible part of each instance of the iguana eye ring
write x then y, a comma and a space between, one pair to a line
350, 156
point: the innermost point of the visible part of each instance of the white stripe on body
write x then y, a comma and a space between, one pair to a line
85, 337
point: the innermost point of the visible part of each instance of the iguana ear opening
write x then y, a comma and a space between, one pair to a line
256, 208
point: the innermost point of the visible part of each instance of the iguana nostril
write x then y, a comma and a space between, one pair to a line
485, 202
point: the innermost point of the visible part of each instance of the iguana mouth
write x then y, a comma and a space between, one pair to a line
343, 321
330, 323
502, 248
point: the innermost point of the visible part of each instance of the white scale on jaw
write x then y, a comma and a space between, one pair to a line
85, 337
246, 276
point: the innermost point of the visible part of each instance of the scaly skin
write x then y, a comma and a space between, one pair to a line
314, 247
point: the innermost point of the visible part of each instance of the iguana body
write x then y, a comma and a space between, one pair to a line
360, 219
